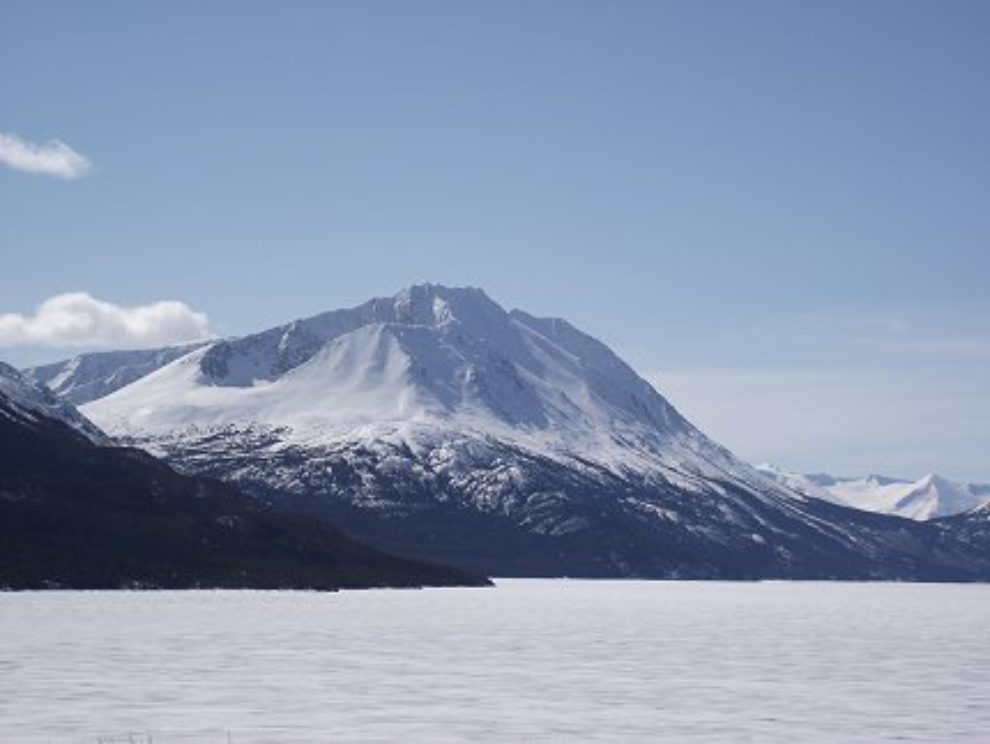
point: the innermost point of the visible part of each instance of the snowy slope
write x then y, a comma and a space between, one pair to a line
90, 376
802, 484
33, 400
929, 497
926, 498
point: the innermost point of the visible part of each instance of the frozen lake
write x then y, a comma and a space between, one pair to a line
529, 660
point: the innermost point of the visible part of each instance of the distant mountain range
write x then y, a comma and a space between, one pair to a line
438, 425
78, 513
929, 497
90, 376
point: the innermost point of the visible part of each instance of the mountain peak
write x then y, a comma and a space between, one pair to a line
450, 358
435, 305
431, 290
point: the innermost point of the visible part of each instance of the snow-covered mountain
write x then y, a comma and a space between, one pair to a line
439, 425
27, 399
929, 497
90, 376
414, 367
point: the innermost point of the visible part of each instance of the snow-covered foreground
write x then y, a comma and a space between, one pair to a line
551, 660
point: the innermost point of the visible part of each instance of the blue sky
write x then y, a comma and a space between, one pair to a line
779, 211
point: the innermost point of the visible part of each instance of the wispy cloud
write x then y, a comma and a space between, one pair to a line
52, 158
78, 319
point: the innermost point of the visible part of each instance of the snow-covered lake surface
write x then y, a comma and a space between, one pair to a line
529, 660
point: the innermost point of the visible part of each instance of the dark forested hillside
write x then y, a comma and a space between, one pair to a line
77, 515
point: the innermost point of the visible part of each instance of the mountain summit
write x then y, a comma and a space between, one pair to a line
439, 425
430, 356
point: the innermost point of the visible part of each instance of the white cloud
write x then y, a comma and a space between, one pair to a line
78, 319
52, 158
